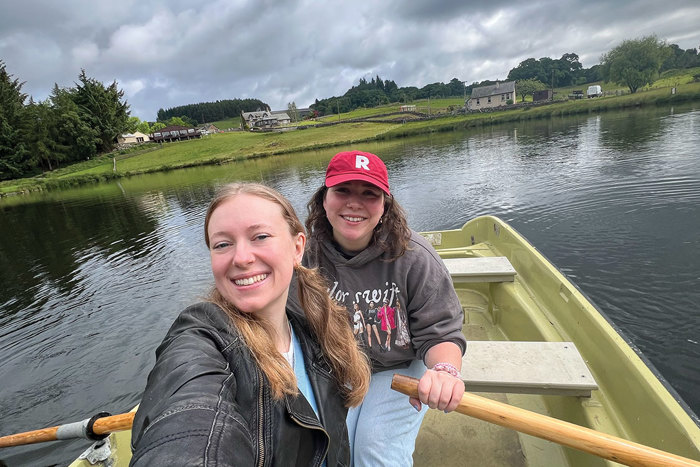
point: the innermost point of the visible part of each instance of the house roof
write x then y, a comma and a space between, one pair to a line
498, 88
259, 114
135, 134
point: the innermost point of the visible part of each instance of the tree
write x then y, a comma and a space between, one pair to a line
211, 111
132, 124
102, 108
292, 110
526, 87
73, 137
144, 128
38, 138
13, 122
176, 121
527, 69
634, 63
562, 72
679, 58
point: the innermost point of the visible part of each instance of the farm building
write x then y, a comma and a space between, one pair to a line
175, 133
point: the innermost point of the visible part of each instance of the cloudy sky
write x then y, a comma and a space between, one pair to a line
169, 53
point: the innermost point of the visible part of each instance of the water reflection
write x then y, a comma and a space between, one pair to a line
93, 277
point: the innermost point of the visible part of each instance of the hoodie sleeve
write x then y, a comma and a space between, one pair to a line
434, 311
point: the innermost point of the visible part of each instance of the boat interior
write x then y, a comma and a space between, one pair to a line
619, 395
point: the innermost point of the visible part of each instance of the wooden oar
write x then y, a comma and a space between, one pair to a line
91, 428
552, 429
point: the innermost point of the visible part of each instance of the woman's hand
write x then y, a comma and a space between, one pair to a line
439, 390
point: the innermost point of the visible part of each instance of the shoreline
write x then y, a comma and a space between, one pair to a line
96, 171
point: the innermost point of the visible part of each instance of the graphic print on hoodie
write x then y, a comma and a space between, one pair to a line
397, 309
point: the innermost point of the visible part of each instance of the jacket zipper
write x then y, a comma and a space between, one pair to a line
314, 427
261, 445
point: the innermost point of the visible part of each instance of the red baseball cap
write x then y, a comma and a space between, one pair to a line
357, 165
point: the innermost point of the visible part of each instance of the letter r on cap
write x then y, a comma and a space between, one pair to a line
361, 162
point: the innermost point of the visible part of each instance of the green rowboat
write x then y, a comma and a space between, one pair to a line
534, 306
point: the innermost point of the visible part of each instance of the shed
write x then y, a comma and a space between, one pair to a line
545, 95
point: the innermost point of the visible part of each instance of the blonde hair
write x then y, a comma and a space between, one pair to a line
327, 319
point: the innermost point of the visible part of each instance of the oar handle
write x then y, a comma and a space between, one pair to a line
101, 426
552, 429
120, 422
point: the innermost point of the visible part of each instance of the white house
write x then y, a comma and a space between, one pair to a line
494, 95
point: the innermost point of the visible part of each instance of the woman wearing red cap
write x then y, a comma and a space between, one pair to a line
360, 240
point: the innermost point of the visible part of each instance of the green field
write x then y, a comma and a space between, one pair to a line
432, 106
239, 145
672, 78
234, 122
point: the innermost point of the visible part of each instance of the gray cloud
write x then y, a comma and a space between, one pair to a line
171, 53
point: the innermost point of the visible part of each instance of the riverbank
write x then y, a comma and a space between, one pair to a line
237, 146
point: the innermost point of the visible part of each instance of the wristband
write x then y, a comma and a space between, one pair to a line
446, 367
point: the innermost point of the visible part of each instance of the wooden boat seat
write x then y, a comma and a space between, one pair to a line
481, 269
553, 368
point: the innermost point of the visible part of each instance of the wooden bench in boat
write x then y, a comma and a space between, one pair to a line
481, 269
552, 368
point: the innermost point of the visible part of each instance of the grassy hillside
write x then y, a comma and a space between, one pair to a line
676, 77
234, 122
239, 145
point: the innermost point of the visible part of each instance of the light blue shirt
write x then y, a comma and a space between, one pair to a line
303, 382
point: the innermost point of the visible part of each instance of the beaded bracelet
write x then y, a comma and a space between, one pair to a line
447, 367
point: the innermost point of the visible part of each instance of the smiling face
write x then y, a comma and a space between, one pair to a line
353, 209
253, 253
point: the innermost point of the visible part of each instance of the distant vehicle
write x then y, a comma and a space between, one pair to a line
594, 91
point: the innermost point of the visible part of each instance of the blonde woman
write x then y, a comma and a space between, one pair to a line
239, 379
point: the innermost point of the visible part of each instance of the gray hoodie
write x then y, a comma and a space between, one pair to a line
409, 301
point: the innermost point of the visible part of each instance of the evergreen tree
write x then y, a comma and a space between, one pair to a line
73, 137
38, 136
13, 123
102, 108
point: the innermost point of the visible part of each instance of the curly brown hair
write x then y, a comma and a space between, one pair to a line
327, 319
391, 234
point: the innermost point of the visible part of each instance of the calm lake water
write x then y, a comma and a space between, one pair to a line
92, 278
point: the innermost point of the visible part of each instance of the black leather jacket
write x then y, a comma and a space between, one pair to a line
206, 402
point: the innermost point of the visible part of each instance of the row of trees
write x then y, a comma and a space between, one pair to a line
634, 63
377, 92
73, 124
618, 65
204, 112
567, 71
563, 72
145, 127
